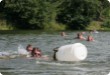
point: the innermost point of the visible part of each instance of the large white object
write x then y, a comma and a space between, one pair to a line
0, 0
108, 73
72, 52
1, 74
22, 50
109, 0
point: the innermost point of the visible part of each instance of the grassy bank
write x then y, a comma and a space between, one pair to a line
53, 26
97, 25
5, 25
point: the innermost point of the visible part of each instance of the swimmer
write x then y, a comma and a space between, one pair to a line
83, 32
90, 38
80, 36
29, 48
36, 52
94, 31
63, 34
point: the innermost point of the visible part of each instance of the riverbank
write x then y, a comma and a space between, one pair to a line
93, 25
10, 28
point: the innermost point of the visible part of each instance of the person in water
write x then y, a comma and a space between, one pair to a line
63, 34
94, 31
36, 52
80, 36
29, 48
90, 38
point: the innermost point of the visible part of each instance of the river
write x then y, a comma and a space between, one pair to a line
96, 63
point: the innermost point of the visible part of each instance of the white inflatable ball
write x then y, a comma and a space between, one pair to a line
72, 52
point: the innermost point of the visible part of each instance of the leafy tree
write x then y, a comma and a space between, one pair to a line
78, 13
51, 14
32, 14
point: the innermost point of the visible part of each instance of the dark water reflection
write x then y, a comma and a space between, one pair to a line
97, 62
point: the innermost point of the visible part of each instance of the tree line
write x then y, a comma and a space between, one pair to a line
56, 14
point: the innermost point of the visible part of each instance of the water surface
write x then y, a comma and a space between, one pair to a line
97, 62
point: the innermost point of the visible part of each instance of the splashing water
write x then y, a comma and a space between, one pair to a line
21, 50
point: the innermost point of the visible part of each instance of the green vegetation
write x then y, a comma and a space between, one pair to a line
4, 23
55, 14
94, 25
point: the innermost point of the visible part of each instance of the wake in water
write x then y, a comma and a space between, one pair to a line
21, 52
4, 54
7, 55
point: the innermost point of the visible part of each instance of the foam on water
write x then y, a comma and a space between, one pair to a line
49, 63
22, 50
13, 54
60, 63
4, 53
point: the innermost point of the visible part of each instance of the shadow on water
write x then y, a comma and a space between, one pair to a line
9, 73
6, 68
